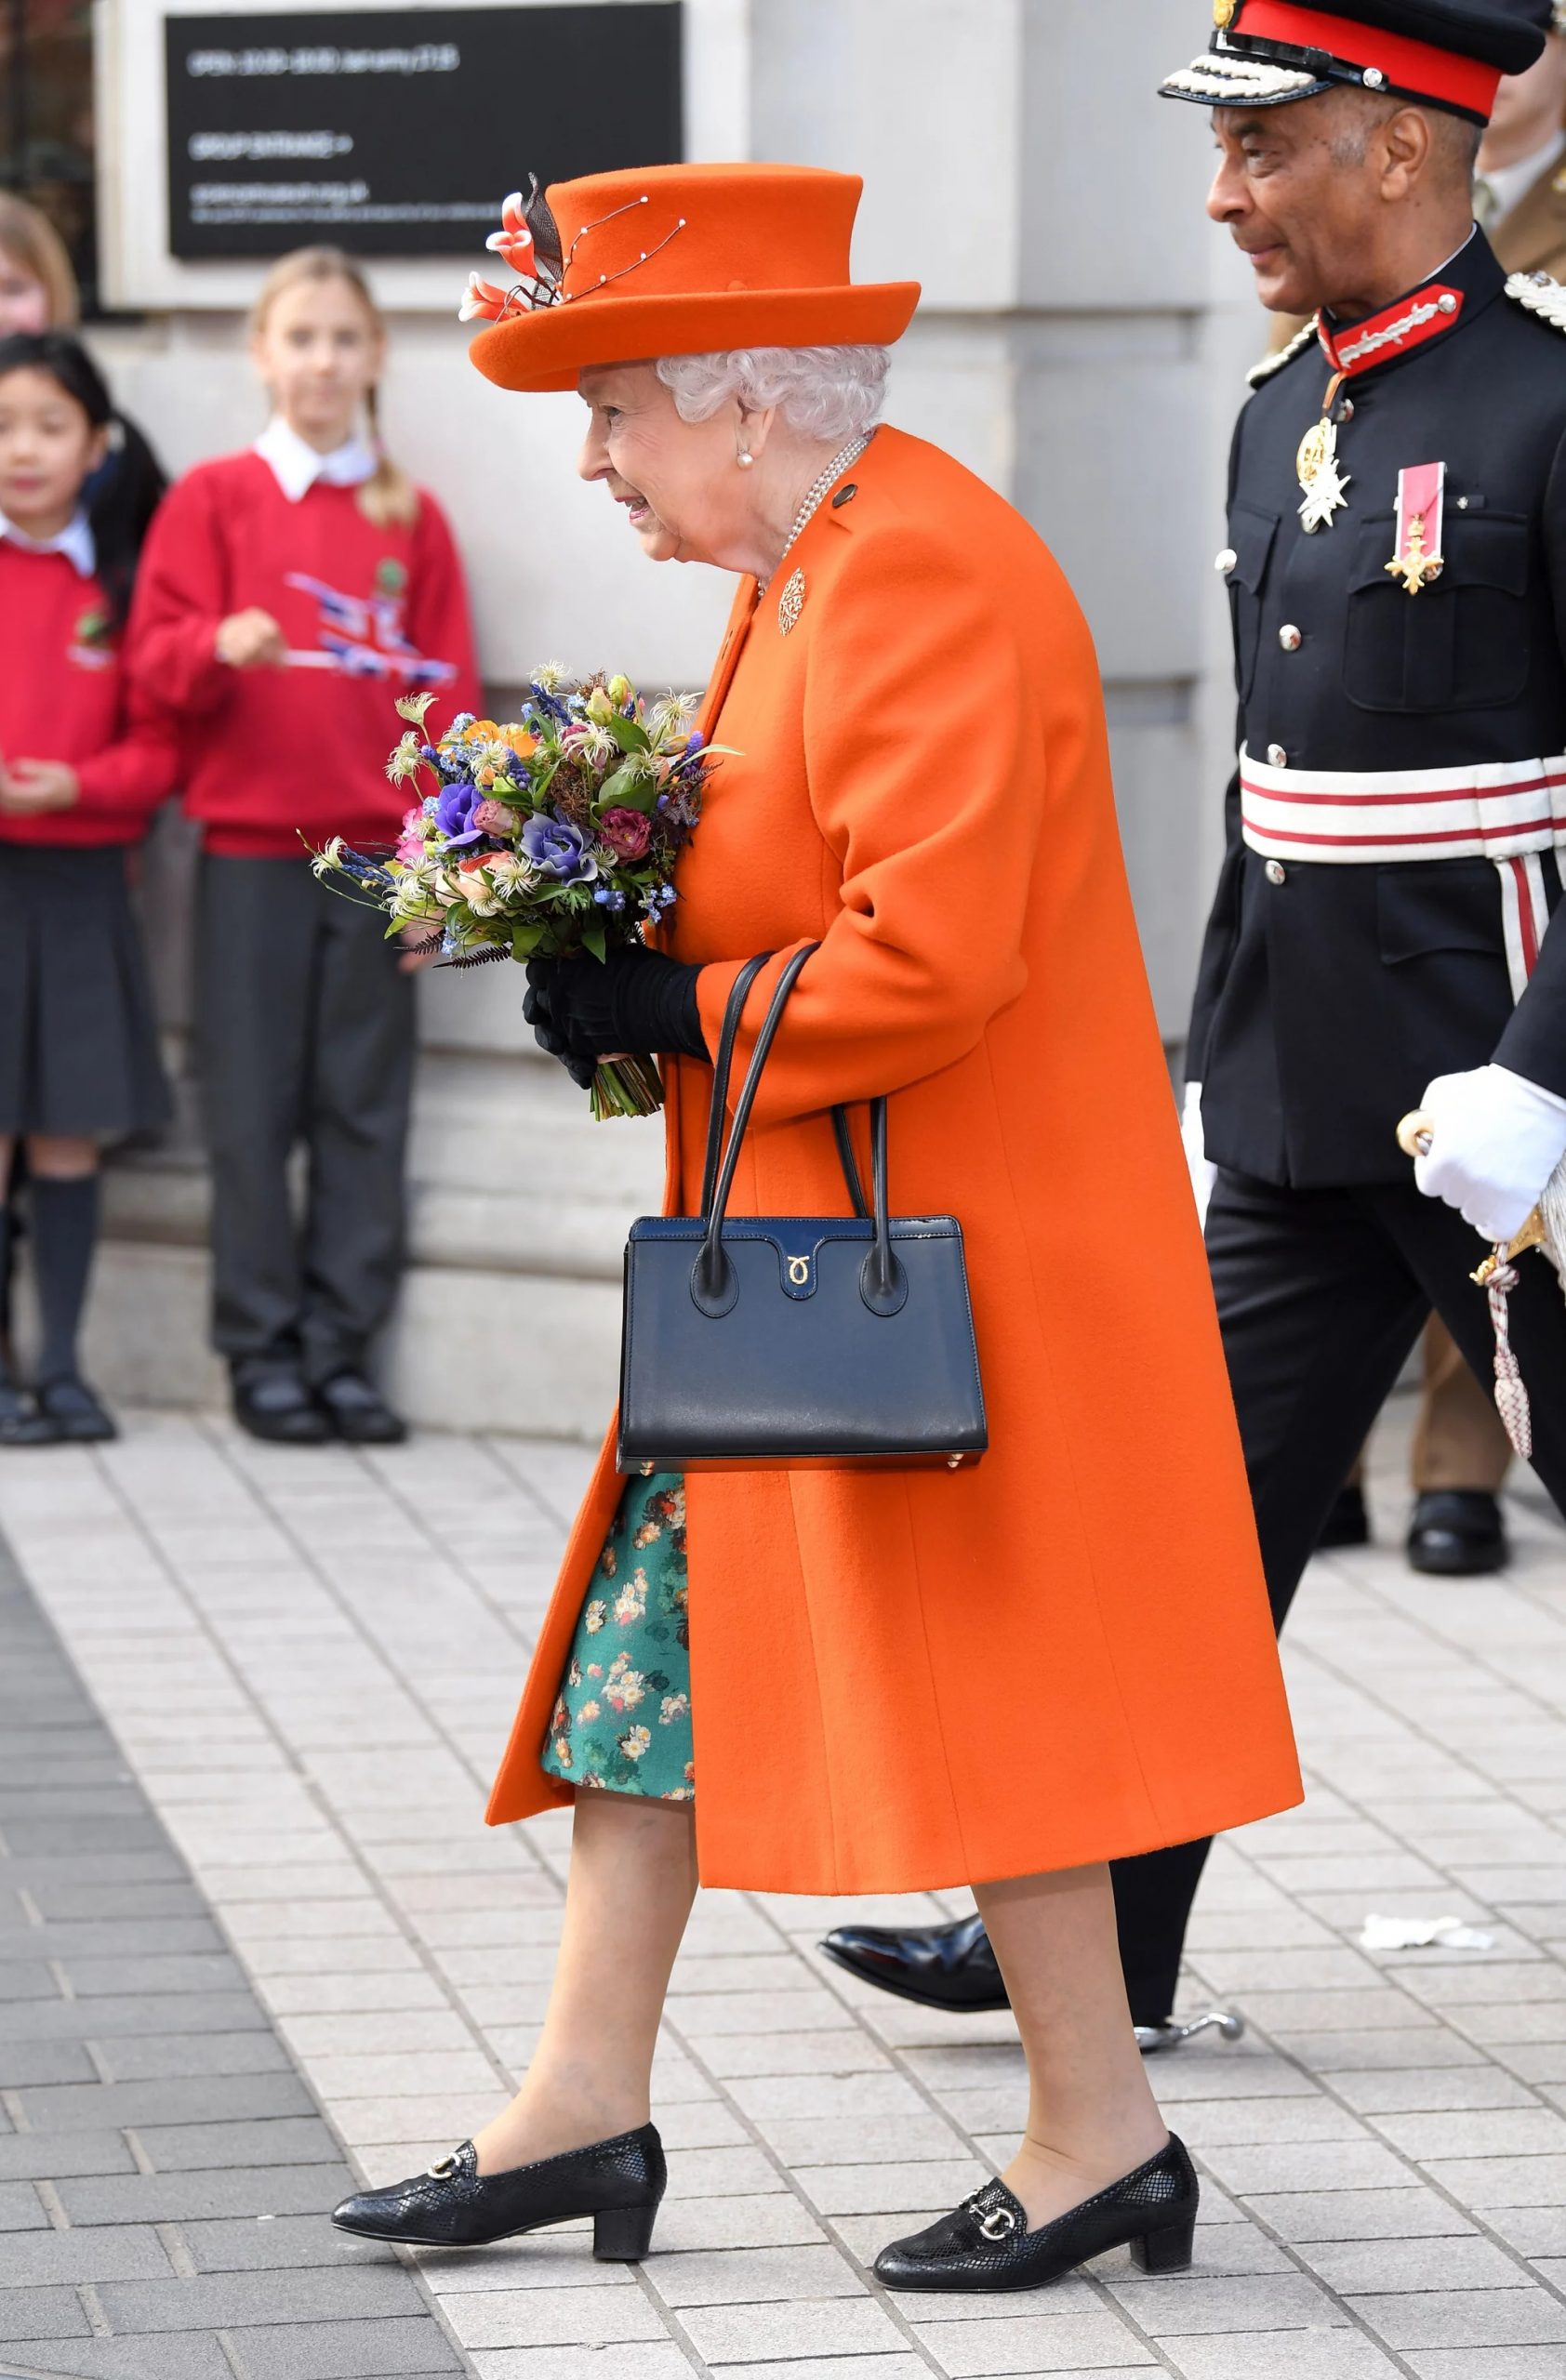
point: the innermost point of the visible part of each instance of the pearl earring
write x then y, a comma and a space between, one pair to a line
745, 459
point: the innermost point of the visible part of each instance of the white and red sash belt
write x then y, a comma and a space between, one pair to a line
1507, 812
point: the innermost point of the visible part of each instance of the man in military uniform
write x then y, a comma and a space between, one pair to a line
1397, 572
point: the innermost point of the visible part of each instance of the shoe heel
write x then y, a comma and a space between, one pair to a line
622, 2235
1166, 2251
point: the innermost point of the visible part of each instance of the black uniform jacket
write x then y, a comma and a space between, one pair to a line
1327, 1001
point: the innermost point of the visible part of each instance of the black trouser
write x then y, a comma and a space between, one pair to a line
1321, 1295
304, 1034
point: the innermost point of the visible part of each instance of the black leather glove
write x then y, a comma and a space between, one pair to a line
636, 1000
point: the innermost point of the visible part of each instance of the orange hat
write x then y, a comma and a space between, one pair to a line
681, 260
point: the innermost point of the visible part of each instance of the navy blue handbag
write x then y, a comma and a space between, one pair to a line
777, 1342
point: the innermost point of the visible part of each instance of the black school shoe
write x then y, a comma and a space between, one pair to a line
79, 1417
272, 1403
987, 2246
357, 1412
618, 2182
1457, 1533
23, 1422
951, 1966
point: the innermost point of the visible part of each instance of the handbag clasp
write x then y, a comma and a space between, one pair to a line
798, 1271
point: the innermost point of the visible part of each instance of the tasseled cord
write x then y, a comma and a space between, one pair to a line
1511, 1395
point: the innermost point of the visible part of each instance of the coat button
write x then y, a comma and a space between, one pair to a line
1226, 559
1289, 639
1276, 872
1276, 757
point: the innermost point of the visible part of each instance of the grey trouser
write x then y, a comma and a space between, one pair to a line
304, 1033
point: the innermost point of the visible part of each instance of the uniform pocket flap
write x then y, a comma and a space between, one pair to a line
1440, 905
1481, 550
1251, 536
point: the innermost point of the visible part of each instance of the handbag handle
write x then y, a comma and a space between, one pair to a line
722, 1065
714, 1287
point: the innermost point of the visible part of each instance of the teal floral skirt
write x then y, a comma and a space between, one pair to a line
622, 1717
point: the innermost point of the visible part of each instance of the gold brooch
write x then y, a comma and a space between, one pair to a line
791, 603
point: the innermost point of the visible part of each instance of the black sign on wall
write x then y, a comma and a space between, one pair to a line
399, 131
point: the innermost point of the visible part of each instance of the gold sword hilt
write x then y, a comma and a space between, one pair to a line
1415, 1134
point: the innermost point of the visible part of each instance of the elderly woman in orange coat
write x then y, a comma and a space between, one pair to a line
898, 1679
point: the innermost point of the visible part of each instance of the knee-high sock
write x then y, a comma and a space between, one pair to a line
64, 1233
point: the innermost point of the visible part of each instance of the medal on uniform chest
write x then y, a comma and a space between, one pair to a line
1417, 557
1324, 484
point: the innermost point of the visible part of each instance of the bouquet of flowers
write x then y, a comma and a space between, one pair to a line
551, 835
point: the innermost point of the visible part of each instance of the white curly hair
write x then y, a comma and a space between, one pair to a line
827, 393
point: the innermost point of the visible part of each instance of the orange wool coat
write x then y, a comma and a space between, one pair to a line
1062, 1654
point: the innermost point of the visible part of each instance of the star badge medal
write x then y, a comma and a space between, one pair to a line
1417, 557
1319, 477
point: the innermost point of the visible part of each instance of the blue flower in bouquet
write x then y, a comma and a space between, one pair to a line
556, 848
454, 813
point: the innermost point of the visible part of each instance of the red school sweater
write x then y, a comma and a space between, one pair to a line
368, 615
65, 695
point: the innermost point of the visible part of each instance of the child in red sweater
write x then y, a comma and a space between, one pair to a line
288, 594
83, 762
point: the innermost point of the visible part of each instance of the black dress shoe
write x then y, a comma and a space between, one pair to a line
618, 2182
987, 2245
274, 1405
21, 1422
76, 1413
358, 1413
941, 1966
1457, 1533
1348, 1523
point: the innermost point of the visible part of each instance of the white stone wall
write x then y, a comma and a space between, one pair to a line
1078, 344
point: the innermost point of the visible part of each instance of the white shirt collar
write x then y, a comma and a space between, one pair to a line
1511, 184
296, 466
74, 541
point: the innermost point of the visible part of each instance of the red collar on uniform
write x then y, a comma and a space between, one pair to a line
1408, 322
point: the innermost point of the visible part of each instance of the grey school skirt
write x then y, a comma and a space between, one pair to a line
78, 1033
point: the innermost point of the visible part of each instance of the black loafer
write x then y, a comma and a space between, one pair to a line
274, 1405
1348, 1523
987, 2246
1457, 1533
22, 1424
618, 2182
940, 1966
358, 1413
76, 1413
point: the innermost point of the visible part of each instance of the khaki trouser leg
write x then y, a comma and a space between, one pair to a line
1459, 1441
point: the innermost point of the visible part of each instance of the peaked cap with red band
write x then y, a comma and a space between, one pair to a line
689, 259
1447, 54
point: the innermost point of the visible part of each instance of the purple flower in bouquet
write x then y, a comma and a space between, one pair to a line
556, 848
627, 832
454, 813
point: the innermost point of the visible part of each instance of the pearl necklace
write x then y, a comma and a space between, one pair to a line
815, 495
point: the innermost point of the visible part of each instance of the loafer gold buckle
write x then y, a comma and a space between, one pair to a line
998, 2224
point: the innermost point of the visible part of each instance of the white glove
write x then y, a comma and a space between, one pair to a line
1495, 1139
1203, 1172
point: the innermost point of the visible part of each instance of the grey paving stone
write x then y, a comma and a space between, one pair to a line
852, 2326
26, 1979
58, 1899
20, 2208
25, 2063
284, 2140
110, 1937
368, 2350
1180, 2305
207, 2012
227, 2301
103, 2253
32, 2157
1028, 2342
650, 2361
1285, 2354
255, 2243
1360, 2267
138, 2057
174, 2198
1467, 2318
723, 2277
199, 2100
113, 1979
43, 2314
1487, 2363
1410, 2213
163, 2358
